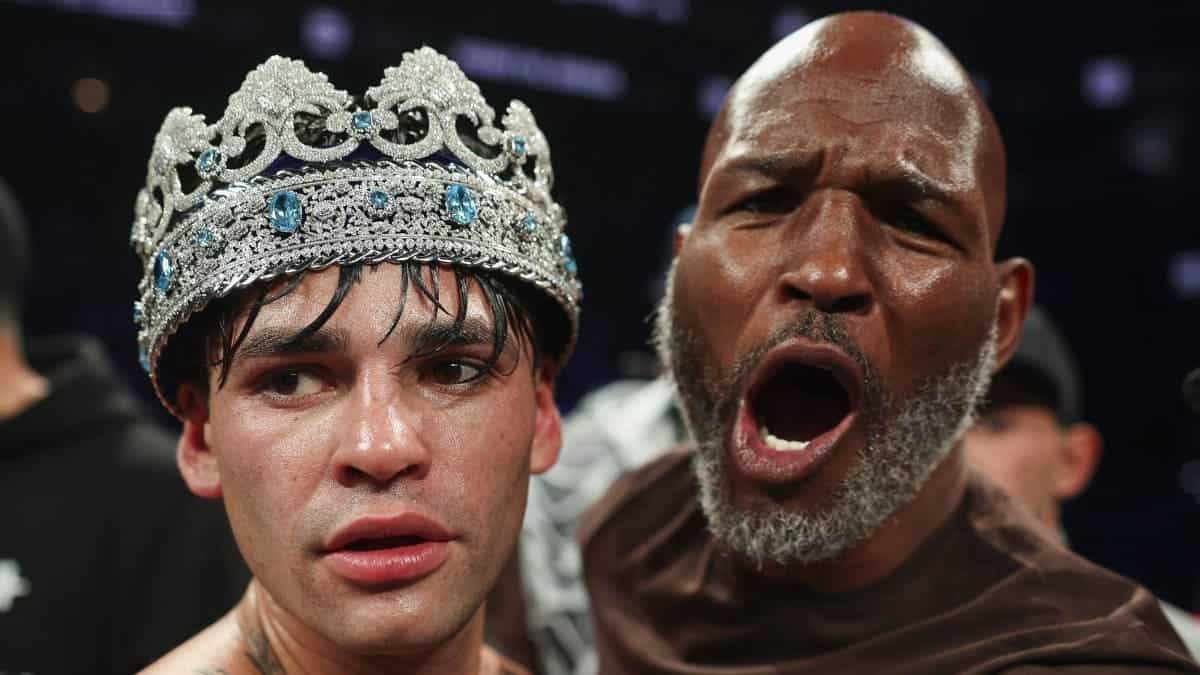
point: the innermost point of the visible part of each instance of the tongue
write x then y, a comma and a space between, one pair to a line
383, 542
800, 403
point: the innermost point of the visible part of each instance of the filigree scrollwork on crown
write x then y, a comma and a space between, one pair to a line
182, 136
272, 96
282, 92
429, 81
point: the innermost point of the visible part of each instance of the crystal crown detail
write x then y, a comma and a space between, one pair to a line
416, 171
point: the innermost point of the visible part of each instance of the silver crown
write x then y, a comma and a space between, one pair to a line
247, 218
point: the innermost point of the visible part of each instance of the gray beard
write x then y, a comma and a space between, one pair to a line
906, 440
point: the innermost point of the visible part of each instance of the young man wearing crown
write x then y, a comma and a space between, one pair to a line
357, 309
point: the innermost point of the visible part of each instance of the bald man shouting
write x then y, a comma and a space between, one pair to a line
834, 315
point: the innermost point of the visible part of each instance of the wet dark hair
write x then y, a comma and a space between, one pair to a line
208, 339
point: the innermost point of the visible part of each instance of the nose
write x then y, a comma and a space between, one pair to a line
383, 442
826, 263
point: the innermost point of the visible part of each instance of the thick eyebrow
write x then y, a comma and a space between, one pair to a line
282, 342
781, 165
902, 178
425, 339
905, 180
430, 337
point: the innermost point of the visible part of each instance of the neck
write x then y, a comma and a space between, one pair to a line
20, 385
894, 542
276, 642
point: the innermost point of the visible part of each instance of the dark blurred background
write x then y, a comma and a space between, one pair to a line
1097, 104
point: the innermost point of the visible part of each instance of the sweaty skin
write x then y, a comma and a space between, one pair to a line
854, 169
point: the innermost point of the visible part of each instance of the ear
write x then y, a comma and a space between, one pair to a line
547, 430
1079, 456
681, 233
195, 458
1015, 279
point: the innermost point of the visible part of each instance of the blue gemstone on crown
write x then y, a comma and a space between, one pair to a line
379, 199
530, 223
163, 271
286, 212
138, 313
203, 238
361, 122
209, 162
568, 255
516, 145
144, 358
460, 204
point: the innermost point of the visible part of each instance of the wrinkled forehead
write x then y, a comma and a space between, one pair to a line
892, 98
914, 84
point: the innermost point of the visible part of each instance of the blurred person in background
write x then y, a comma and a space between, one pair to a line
1031, 439
833, 316
105, 559
539, 612
358, 307
541, 608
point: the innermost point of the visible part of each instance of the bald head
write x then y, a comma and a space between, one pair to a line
870, 70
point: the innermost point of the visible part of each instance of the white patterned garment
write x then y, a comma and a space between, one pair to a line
1186, 625
615, 429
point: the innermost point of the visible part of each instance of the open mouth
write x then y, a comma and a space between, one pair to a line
802, 399
798, 403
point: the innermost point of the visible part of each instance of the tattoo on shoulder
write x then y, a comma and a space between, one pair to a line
261, 655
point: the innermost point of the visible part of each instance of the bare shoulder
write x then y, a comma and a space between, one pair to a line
216, 650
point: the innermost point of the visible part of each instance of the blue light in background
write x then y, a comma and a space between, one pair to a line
674, 12
327, 31
711, 94
557, 72
170, 13
1184, 274
788, 20
1107, 82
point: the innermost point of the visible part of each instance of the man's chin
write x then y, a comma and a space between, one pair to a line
402, 619
805, 481
772, 524
393, 629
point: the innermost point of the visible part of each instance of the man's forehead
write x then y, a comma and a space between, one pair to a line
863, 43
372, 303
903, 76
871, 89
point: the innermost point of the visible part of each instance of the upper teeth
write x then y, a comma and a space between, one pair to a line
776, 443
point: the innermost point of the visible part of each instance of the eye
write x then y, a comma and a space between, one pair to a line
773, 201
455, 372
910, 221
292, 383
